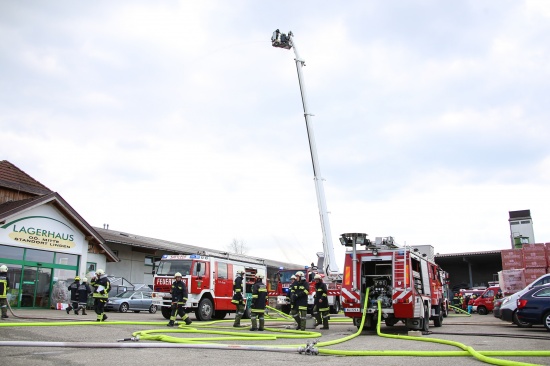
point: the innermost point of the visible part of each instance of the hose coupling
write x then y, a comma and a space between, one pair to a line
132, 339
309, 349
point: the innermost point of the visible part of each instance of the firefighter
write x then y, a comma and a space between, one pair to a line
471, 303
238, 297
101, 286
292, 280
257, 308
179, 298
298, 299
321, 308
73, 289
84, 290
456, 301
4, 287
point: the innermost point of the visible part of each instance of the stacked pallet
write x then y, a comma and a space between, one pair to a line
522, 266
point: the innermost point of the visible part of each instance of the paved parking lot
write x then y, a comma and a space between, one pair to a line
483, 333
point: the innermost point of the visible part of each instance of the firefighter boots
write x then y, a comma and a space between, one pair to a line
104, 317
325, 323
170, 323
261, 328
187, 321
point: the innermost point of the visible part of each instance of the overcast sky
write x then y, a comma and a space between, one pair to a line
180, 121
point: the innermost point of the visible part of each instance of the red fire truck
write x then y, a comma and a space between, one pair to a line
209, 280
281, 280
407, 282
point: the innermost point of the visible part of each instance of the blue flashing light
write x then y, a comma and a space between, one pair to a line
194, 256
164, 256
286, 289
306, 267
281, 268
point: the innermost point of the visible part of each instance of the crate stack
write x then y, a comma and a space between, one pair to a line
522, 266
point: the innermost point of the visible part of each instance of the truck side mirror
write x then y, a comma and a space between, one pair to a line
198, 268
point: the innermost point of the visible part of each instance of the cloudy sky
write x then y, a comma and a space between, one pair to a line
180, 121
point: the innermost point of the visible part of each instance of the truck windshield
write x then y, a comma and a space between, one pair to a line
285, 276
169, 268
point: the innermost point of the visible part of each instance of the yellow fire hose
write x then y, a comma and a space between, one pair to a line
168, 336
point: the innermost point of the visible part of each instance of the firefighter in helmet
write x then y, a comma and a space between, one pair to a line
101, 286
179, 298
257, 308
321, 308
4, 287
84, 291
73, 289
298, 298
288, 298
238, 297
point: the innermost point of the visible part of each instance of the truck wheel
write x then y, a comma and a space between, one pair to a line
520, 323
445, 310
438, 320
166, 312
482, 310
205, 310
335, 309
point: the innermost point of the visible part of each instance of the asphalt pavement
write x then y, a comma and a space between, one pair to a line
481, 332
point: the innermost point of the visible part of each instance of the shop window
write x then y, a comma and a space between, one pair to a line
11, 252
151, 261
66, 259
40, 256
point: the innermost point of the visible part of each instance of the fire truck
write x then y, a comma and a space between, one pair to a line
407, 283
278, 295
209, 280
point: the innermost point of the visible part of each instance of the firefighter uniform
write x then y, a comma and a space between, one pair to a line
321, 308
101, 286
179, 298
4, 287
257, 308
238, 298
84, 291
73, 289
298, 298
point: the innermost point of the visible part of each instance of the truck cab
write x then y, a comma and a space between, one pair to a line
485, 302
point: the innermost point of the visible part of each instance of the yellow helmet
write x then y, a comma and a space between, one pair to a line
76, 278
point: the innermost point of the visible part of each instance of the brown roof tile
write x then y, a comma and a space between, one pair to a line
14, 178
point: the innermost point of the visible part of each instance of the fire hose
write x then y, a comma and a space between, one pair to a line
310, 348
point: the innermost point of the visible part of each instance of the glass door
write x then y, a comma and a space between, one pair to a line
35, 287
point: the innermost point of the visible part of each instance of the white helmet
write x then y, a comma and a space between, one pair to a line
260, 276
83, 279
177, 274
299, 274
99, 272
3, 268
241, 272
318, 277
293, 277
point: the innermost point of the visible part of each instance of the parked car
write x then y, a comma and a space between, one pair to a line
509, 305
534, 306
135, 301
497, 304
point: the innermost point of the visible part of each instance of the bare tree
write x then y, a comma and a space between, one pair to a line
237, 246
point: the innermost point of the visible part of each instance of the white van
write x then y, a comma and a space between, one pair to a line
509, 303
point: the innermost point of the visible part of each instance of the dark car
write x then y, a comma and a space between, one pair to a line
534, 307
135, 301
496, 309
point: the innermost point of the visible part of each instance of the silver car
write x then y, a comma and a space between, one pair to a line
135, 301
